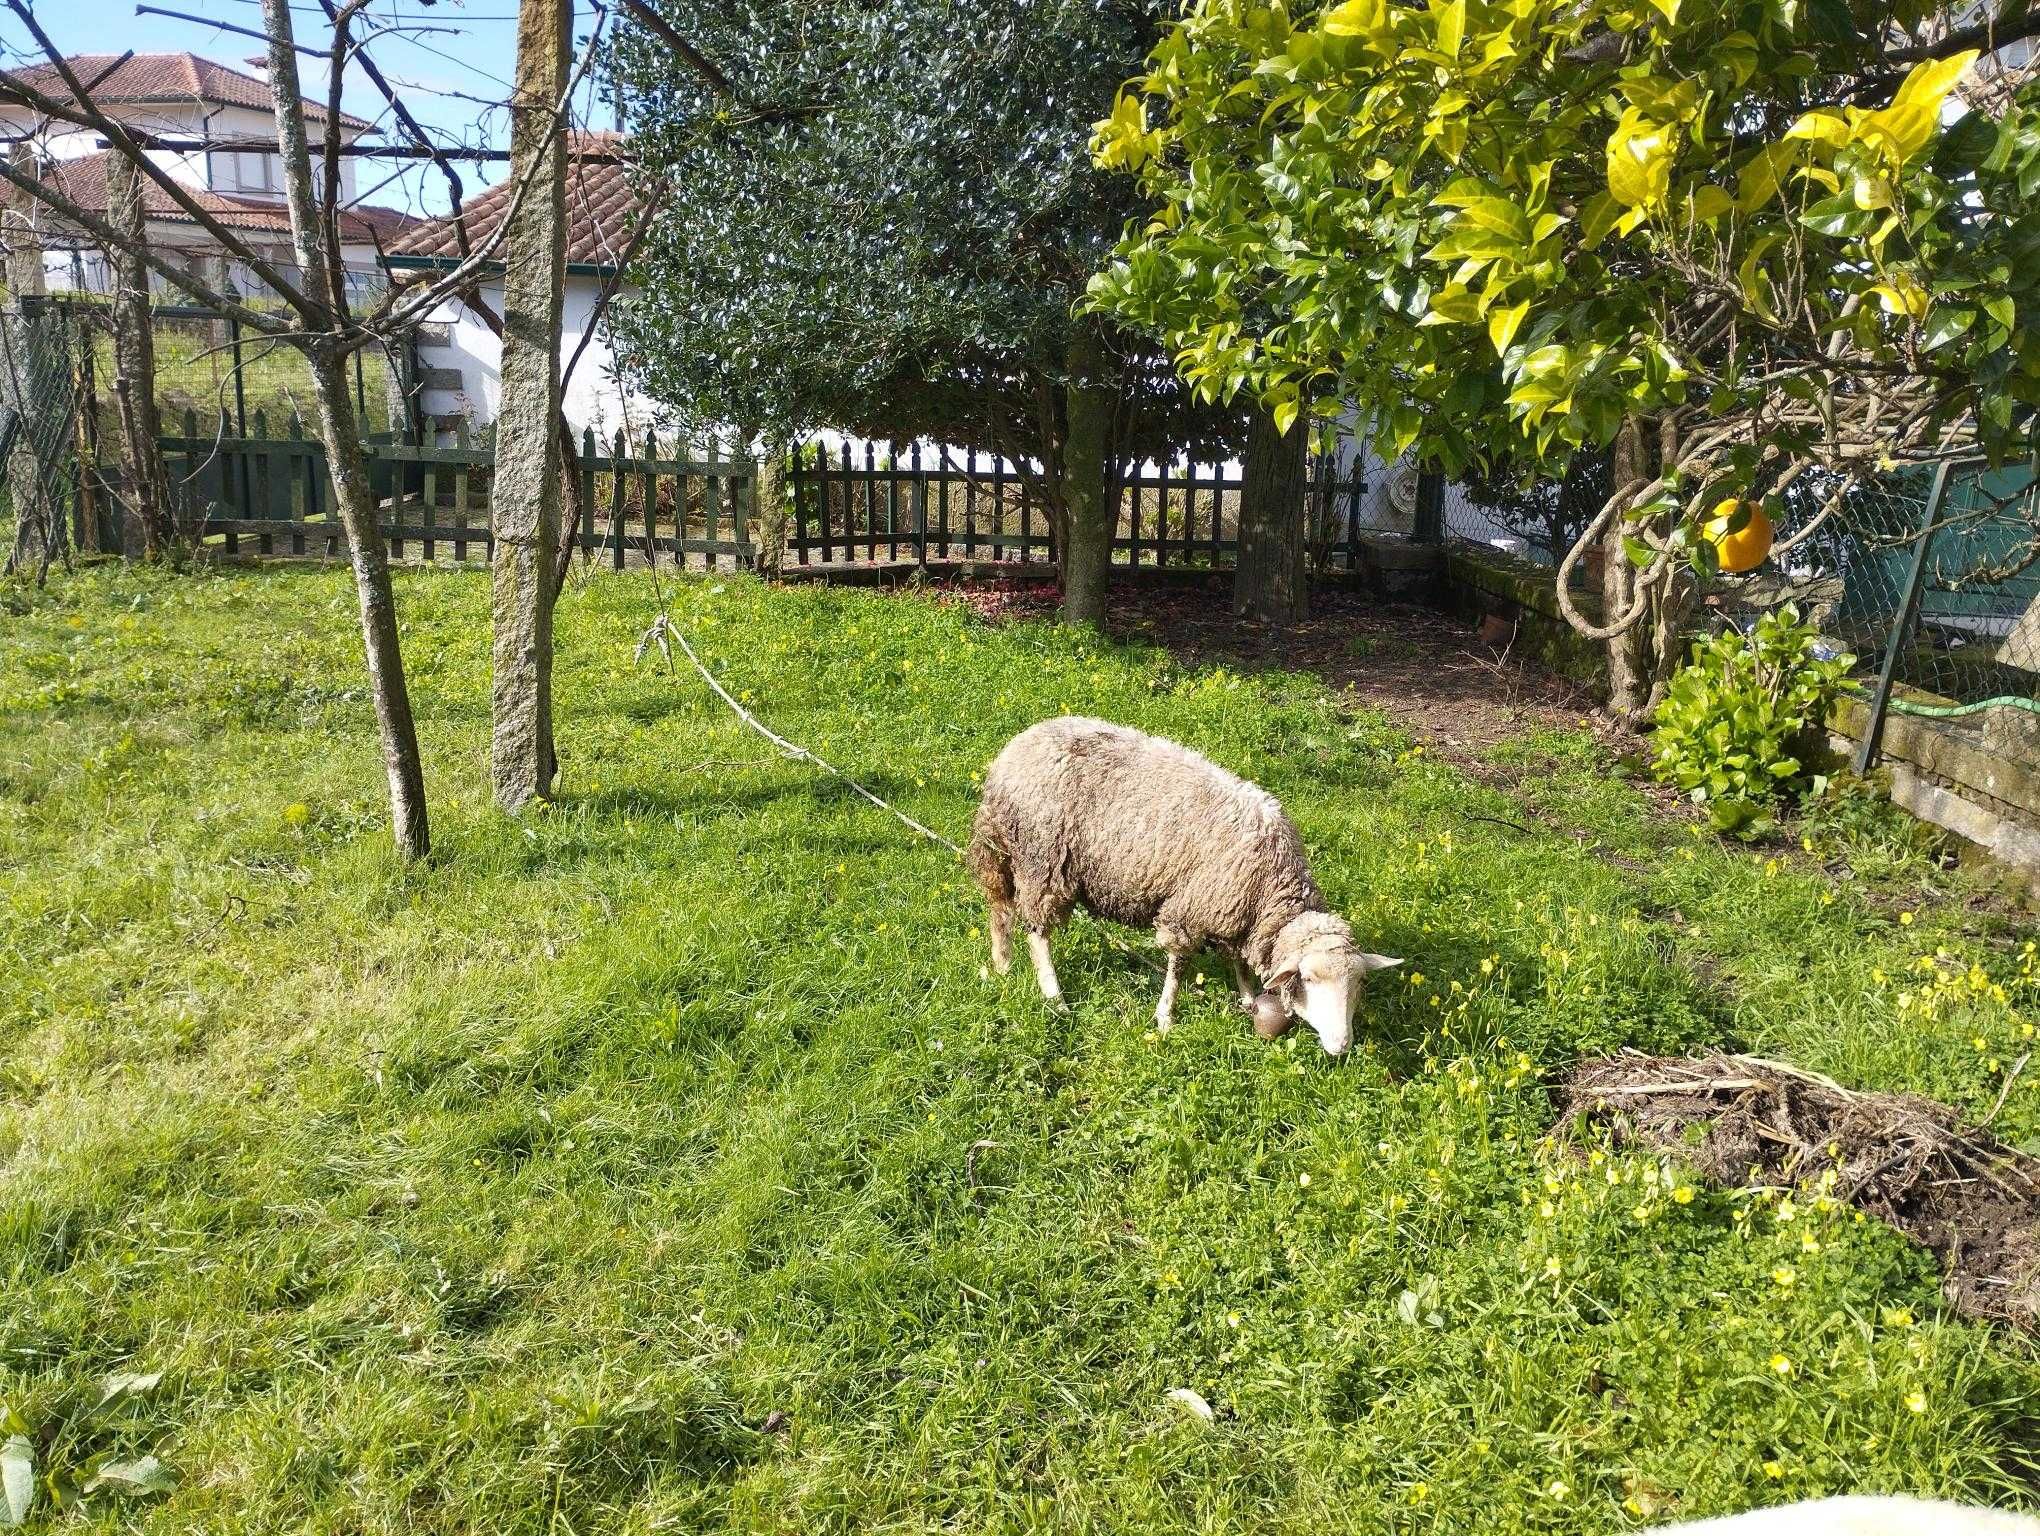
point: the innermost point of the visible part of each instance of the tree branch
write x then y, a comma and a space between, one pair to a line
86, 114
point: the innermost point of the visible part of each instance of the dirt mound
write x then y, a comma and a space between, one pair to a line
1971, 1200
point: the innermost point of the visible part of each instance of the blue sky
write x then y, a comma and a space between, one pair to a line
450, 62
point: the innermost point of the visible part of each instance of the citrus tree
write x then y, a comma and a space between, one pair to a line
1742, 245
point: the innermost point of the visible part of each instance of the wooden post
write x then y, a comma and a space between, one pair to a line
86, 535
920, 511
769, 511
619, 448
1428, 526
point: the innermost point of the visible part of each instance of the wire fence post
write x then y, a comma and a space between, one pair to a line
240, 378
1902, 624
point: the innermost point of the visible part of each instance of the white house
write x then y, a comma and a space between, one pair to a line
183, 98
459, 355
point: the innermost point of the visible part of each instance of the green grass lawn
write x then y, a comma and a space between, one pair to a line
513, 1193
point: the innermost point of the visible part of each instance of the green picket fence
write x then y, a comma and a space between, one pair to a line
267, 494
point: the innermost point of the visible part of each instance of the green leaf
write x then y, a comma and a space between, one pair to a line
1757, 182
1948, 322
1829, 128
17, 1480
1755, 285
1708, 203
1597, 218
1639, 160
1285, 415
1355, 18
1838, 216
125, 1384
1503, 323
1451, 18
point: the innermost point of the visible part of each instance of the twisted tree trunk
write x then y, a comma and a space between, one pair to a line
1270, 572
1630, 668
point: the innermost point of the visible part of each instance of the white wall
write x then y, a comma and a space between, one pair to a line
593, 399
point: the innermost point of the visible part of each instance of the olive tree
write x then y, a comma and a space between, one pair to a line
886, 231
1729, 245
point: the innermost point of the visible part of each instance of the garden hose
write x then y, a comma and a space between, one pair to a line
1946, 711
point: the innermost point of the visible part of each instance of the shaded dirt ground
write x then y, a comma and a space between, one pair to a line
1434, 674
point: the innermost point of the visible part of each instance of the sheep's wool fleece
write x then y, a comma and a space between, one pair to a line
1143, 831
1863, 1516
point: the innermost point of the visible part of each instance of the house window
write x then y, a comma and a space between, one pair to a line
247, 171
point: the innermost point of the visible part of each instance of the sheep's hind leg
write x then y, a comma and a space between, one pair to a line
1001, 922
1044, 968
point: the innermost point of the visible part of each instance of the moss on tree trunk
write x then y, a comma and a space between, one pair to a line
1087, 523
1270, 573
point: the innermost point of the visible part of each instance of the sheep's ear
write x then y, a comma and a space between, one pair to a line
1371, 963
1283, 983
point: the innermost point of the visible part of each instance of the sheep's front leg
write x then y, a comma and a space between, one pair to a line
1242, 980
1165, 1010
1044, 968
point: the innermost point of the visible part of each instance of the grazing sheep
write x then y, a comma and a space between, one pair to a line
1081, 812
1863, 1516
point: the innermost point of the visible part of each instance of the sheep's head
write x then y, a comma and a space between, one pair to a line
1318, 973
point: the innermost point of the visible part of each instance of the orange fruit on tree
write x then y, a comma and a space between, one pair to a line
1746, 548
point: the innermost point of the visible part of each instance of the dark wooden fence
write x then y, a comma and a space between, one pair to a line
268, 495
857, 507
265, 492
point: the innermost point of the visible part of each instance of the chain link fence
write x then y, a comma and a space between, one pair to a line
39, 436
1939, 574
216, 381
213, 370
1930, 579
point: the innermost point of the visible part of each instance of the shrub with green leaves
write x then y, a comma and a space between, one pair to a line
1727, 731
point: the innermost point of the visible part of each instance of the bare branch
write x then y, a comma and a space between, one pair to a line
86, 114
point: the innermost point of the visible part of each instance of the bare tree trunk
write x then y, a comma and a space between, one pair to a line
770, 506
346, 464
1270, 580
23, 374
134, 360
1672, 600
573, 508
354, 497
1088, 518
1630, 668
525, 505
